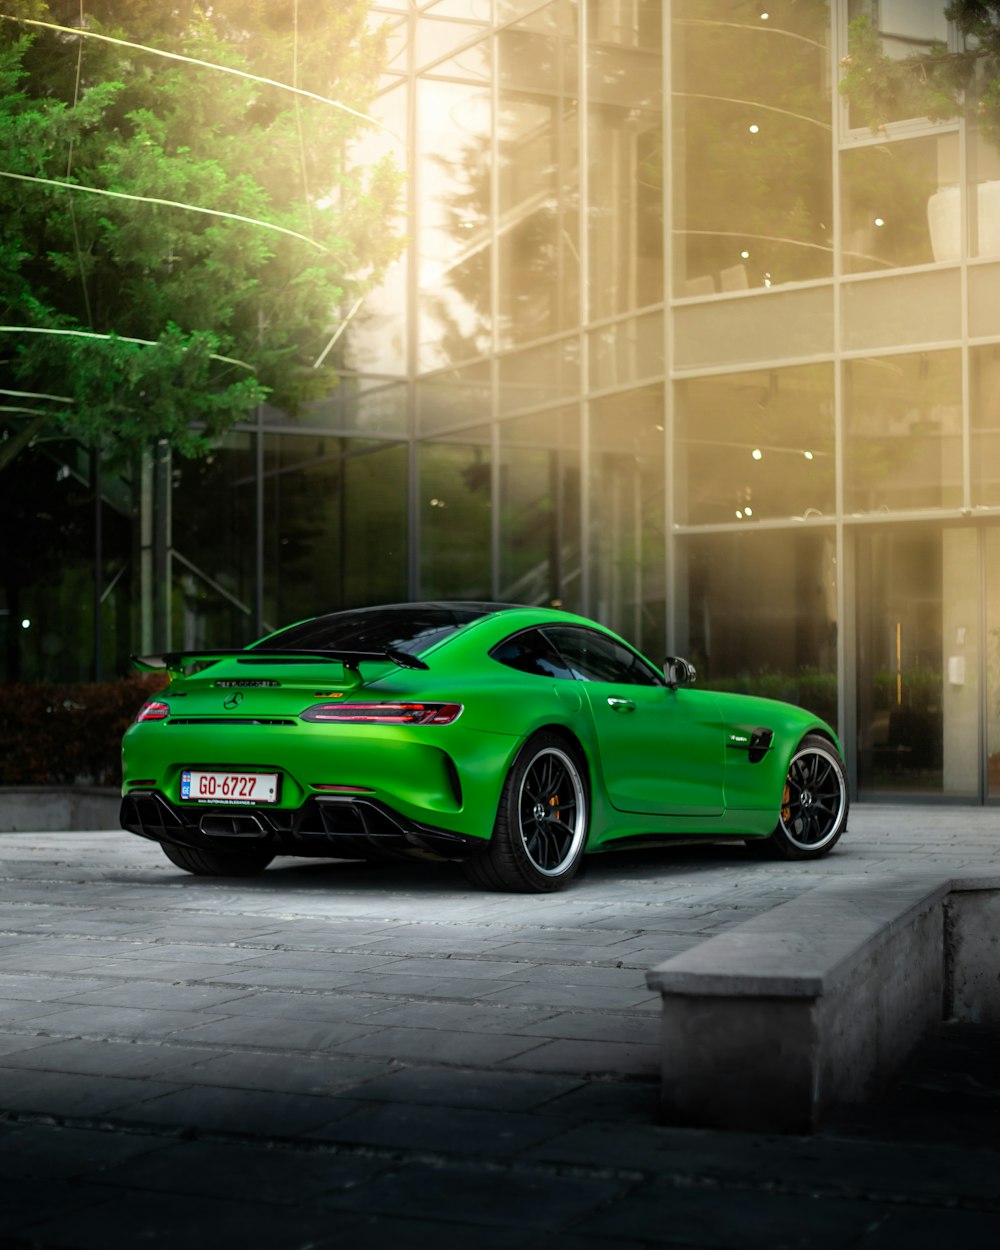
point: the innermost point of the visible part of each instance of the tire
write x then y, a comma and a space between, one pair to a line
814, 804
213, 863
541, 827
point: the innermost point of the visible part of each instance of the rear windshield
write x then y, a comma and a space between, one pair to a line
411, 628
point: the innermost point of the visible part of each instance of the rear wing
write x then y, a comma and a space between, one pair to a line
175, 662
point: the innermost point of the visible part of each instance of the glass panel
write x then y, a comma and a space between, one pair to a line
897, 311
901, 204
455, 507
628, 23
453, 179
918, 648
778, 326
334, 525
755, 446
906, 28
984, 307
477, 9
117, 577
984, 205
473, 62
993, 662
984, 369
761, 614
436, 39
455, 397
903, 432
508, 9
627, 521
357, 406
540, 509
540, 375
625, 177
751, 144
539, 180
961, 648
627, 351
214, 518
539, 52
48, 519
374, 336
909, 25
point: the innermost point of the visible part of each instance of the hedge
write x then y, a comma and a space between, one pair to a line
66, 735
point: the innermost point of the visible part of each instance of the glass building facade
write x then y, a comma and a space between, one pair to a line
677, 341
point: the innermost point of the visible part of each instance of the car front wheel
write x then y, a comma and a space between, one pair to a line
814, 804
541, 826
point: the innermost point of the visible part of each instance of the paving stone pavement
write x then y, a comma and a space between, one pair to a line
335, 1053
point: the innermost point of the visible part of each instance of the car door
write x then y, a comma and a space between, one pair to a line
662, 750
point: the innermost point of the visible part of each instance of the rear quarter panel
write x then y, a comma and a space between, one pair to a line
503, 708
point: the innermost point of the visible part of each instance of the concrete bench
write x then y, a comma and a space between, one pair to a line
820, 1000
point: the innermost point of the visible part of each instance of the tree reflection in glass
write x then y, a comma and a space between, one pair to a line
751, 142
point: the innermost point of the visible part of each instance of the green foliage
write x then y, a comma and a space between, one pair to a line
933, 83
882, 89
107, 118
917, 688
60, 735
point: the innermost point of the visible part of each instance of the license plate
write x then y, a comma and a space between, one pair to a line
242, 788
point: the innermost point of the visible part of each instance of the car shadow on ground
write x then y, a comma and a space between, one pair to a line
446, 877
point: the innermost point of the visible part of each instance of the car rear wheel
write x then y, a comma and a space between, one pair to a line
541, 826
215, 863
814, 804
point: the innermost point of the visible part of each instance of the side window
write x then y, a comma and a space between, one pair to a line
531, 652
591, 656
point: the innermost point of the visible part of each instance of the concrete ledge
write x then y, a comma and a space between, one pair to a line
57, 809
972, 949
820, 1000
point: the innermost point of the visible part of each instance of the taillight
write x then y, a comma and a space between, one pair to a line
153, 711
382, 713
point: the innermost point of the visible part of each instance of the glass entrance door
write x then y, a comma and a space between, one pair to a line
993, 664
919, 649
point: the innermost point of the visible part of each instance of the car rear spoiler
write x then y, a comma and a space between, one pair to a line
175, 662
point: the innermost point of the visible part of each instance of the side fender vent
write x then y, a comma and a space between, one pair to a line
755, 741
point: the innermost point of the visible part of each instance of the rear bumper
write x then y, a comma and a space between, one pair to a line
337, 828
424, 776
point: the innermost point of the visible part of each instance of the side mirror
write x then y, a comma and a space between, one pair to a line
678, 672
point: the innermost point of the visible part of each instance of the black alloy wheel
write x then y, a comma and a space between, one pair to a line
814, 804
540, 832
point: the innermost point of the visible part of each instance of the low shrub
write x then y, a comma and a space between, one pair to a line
65, 735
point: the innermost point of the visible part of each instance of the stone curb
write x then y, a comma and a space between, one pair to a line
57, 809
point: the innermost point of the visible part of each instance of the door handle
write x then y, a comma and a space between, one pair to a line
621, 705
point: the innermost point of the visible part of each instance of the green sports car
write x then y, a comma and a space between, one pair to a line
513, 739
